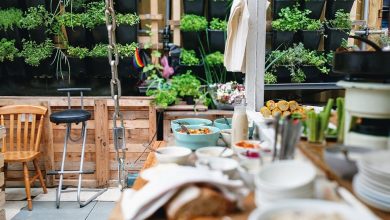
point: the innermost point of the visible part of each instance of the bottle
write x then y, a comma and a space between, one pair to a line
239, 123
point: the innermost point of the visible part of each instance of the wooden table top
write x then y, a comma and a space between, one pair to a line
313, 153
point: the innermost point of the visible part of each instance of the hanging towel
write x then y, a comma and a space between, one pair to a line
237, 33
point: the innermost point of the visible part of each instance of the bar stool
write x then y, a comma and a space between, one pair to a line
69, 117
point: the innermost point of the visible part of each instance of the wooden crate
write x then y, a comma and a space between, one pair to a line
139, 121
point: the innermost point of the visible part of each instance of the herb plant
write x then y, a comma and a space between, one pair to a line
218, 24
311, 24
72, 20
270, 78
95, 14
8, 51
34, 53
193, 23
35, 17
78, 52
341, 21
129, 19
214, 59
10, 18
100, 50
188, 57
186, 85
290, 19
127, 50
163, 97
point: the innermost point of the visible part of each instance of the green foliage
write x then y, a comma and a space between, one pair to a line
290, 19
75, 4
7, 50
186, 85
95, 14
72, 20
78, 52
218, 24
34, 53
129, 19
163, 97
215, 59
35, 17
10, 18
341, 21
100, 50
188, 57
297, 75
127, 50
270, 78
311, 24
193, 23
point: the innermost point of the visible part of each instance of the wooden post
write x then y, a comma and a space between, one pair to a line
48, 146
102, 143
176, 11
152, 121
255, 54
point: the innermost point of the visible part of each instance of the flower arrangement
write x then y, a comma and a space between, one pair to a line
227, 93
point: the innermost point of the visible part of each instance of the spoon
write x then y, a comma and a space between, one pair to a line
220, 155
227, 121
184, 128
151, 149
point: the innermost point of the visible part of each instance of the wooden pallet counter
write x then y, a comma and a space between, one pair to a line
140, 122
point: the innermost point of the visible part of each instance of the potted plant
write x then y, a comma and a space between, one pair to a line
35, 21
336, 30
332, 6
311, 33
192, 29
126, 6
37, 56
97, 22
9, 24
285, 27
77, 61
315, 6
219, 9
195, 7
187, 86
214, 70
75, 25
278, 5
189, 61
97, 62
217, 35
161, 91
126, 53
270, 78
127, 28
9, 55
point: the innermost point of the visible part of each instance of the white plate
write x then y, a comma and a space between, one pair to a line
384, 197
309, 205
375, 184
370, 173
368, 199
377, 162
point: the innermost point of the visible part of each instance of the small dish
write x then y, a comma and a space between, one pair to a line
190, 121
178, 155
207, 152
195, 141
227, 136
221, 123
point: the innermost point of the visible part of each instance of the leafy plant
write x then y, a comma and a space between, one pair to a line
270, 78
8, 51
186, 85
10, 18
215, 59
193, 23
127, 50
290, 19
311, 24
95, 14
34, 53
218, 24
35, 17
341, 21
188, 57
72, 20
74, 4
99, 50
129, 19
163, 97
78, 52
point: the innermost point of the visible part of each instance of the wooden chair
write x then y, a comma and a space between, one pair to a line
21, 144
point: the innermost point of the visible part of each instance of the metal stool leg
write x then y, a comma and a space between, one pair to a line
59, 190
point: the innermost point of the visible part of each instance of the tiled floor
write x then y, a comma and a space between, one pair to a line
44, 205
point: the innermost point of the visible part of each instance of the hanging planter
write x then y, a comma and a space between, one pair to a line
126, 33
99, 34
283, 74
279, 4
15, 34
78, 67
282, 39
197, 70
43, 69
334, 38
15, 68
125, 67
192, 39
313, 74
218, 9
34, 3
315, 6
10, 4
311, 39
195, 7
98, 67
77, 36
190, 100
332, 6
126, 6
38, 34
217, 40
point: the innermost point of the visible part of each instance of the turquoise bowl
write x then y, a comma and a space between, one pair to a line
196, 141
190, 121
221, 123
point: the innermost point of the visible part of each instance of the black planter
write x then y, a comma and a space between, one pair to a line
78, 67
15, 68
282, 39
197, 70
217, 40
311, 39
195, 7
283, 74
315, 6
189, 100
38, 34
126, 34
99, 34
10, 4
279, 4
334, 37
313, 75
43, 69
332, 6
98, 67
218, 9
14, 34
191, 40
77, 36
126, 6
126, 69
35, 3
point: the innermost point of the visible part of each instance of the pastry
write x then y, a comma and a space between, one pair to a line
265, 112
282, 105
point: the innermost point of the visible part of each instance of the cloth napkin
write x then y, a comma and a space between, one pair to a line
143, 203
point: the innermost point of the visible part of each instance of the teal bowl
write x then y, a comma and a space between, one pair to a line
190, 121
221, 123
196, 141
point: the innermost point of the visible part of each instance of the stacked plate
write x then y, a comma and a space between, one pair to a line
372, 183
284, 180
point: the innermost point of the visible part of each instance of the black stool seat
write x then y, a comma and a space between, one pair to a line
70, 116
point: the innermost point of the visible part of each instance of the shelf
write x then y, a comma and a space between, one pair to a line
302, 86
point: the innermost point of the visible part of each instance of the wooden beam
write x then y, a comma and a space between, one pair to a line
176, 13
152, 122
102, 143
48, 149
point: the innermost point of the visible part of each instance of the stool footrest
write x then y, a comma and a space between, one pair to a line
56, 172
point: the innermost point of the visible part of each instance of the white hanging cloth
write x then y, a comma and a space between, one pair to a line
237, 33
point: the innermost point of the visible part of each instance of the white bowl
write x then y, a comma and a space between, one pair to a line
178, 155
227, 136
284, 176
225, 165
207, 152
248, 170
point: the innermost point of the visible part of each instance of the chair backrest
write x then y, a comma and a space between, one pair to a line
26, 121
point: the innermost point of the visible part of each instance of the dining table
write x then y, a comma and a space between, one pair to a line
306, 151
